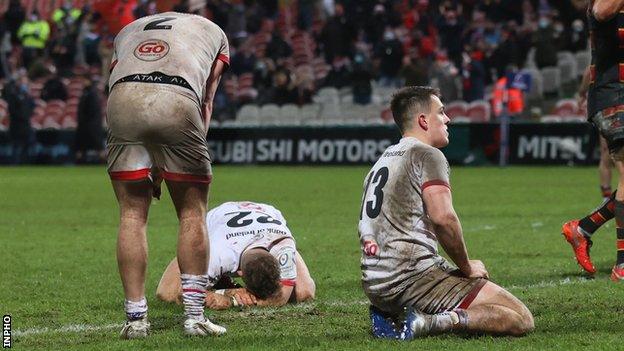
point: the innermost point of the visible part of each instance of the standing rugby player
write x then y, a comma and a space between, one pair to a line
406, 210
605, 109
164, 74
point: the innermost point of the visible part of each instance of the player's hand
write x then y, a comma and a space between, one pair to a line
217, 301
245, 298
477, 270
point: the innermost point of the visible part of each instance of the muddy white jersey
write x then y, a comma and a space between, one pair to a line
235, 227
394, 218
169, 48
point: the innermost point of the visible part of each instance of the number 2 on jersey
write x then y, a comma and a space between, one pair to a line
155, 24
239, 219
378, 180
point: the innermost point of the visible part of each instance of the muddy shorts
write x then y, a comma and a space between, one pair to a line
439, 288
155, 129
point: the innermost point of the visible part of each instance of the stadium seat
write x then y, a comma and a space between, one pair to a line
327, 95
479, 111
537, 83
310, 114
583, 59
566, 107
290, 114
248, 114
269, 114
568, 70
330, 113
456, 109
552, 80
461, 119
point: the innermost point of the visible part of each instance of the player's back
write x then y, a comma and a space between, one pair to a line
169, 48
234, 227
393, 215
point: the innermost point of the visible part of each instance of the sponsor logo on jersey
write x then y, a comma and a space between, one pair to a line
151, 50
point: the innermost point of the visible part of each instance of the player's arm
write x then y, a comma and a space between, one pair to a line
170, 287
218, 67
583, 88
604, 10
439, 204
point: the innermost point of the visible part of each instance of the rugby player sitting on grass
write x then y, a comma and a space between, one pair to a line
252, 241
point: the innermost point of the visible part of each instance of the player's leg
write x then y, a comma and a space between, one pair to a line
190, 201
169, 287
129, 166
605, 168
496, 311
134, 199
617, 273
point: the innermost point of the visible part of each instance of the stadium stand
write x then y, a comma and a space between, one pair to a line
321, 80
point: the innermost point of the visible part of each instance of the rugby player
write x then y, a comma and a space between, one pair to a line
164, 73
605, 109
250, 240
406, 209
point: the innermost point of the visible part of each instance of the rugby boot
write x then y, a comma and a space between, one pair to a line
617, 273
135, 329
194, 327
580, 244
409, 325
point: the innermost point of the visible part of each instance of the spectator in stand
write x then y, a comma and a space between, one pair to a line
263, 73
414, 72
14, 17
444, 76
451, 27
282, 92
577, 38
304, 85
339, 74
389, 55
33, 34
243, 60
21, 106
544, 39
337, 35
89, 133
90, 43
182, 7
144, 8
66, 15
507, 52
278, 48
53, 88
64, 47
361, 77
473, 75
5, 50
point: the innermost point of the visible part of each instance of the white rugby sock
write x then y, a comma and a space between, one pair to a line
448, 321
194, 295
136, 309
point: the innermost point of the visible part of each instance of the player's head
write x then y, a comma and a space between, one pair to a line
418, 111
261, 273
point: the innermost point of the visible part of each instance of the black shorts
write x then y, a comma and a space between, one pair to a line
610, 124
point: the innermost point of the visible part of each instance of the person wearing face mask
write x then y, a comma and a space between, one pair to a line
33, 35
406, 209
543, 38
577, 38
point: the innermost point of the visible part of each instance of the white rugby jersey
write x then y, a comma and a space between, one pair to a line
393, 216
169, 48
234, 227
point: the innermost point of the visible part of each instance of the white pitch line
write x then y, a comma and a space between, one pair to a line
79, 328
73, 328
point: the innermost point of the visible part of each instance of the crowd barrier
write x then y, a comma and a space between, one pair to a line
471, 144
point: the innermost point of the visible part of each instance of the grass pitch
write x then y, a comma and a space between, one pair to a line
60, 284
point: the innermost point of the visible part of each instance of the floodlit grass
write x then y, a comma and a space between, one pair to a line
59, 273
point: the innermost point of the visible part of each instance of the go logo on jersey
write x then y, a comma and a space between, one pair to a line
151, 50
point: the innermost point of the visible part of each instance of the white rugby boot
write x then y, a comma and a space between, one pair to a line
136, 329
194, 327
